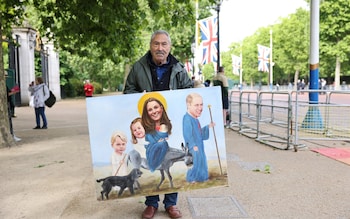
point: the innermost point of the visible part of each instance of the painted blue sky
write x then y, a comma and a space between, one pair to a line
108, 114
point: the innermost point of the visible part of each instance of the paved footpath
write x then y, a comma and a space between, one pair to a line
49, 175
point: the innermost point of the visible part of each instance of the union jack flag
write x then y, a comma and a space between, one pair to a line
236, 64
209, 39
263, 58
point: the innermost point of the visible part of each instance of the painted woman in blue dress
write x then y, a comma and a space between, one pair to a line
158, 127
194, 136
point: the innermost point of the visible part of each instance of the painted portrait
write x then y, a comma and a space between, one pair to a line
157, 142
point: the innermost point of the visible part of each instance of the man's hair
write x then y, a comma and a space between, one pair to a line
160, 32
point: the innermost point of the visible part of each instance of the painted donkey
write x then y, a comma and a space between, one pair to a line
172, 155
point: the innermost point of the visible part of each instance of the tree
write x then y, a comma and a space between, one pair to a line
291, 45
335, 34
11, 12
290, 49
115, 28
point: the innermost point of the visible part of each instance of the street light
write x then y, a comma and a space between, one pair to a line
217, 9
193, 50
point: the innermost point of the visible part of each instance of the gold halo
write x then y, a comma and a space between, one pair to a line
148, 95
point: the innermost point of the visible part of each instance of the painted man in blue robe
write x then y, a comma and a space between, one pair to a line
194, 135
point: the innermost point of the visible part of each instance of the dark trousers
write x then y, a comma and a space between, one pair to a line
40, 112
169, 200
12, 108
10, 118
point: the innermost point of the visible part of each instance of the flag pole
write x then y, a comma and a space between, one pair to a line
196, 47
271, 67
196, 39
218, 33
241, 72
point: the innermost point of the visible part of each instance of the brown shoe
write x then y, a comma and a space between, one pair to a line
149, 212
173, 212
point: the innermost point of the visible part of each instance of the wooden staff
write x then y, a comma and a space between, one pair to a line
116, 172
216, 143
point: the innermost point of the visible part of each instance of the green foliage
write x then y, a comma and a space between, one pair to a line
334, 34
97, 88
67, 90
266, 170
208, 71
66, 71
117, 27
291, 42
109, 24
291, 46
290, 50
226, 61
74, 88
11, 13
291, 39
98, 38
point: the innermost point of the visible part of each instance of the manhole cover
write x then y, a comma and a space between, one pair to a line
216, 207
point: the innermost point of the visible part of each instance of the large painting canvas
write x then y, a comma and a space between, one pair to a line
185, 151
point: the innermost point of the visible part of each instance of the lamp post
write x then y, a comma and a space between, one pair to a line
217, 9
193, 50
271, 63
44, 63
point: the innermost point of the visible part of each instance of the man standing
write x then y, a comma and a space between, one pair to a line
158, 70
221, 80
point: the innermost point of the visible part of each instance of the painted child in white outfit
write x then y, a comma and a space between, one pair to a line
138, 155
119, 157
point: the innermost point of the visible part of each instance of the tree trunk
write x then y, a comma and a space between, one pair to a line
337, 75
6, 139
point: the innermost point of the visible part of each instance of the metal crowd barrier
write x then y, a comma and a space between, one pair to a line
286, 120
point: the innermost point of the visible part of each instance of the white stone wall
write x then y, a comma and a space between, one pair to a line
53, 69
26, 39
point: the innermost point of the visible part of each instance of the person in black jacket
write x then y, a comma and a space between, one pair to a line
221, 80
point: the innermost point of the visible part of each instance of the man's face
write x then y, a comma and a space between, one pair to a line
195, 108
160, 48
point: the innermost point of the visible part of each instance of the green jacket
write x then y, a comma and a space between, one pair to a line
140, 77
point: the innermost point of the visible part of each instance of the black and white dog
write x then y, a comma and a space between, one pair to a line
123, 182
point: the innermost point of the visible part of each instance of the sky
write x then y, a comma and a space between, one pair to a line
241, 18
